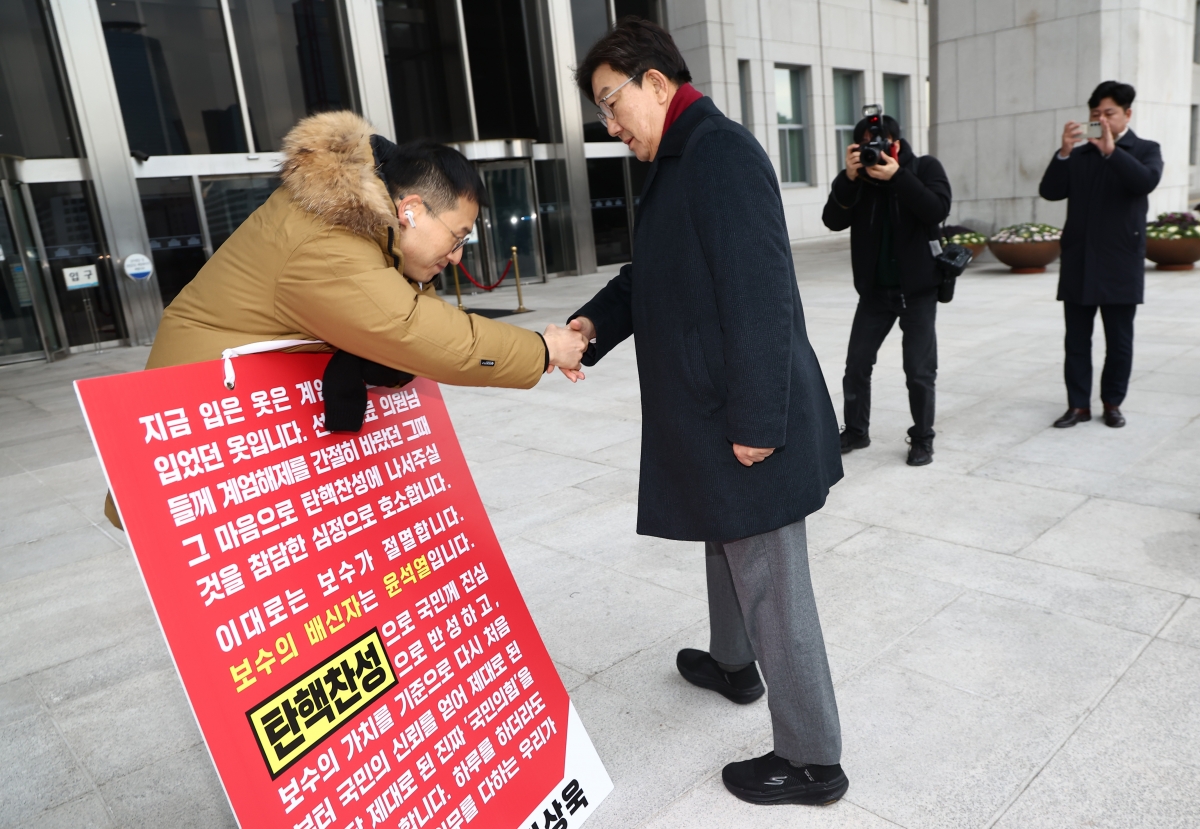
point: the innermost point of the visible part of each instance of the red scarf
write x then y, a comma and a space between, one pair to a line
685, 96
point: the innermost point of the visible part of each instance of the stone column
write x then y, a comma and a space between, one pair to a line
705, 34
1007, 74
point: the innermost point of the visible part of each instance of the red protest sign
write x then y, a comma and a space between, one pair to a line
348, 632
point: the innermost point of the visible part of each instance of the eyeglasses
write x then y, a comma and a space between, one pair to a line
459, 241
605, 110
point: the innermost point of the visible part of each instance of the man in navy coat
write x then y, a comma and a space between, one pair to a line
739, 437
1106, 181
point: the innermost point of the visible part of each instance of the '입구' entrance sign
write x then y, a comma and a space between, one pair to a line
348, 632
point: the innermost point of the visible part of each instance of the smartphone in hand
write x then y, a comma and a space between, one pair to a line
1094, 130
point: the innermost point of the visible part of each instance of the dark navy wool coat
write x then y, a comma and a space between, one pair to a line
723, 354
1104, 241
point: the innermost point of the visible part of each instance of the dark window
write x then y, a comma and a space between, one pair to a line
645, 9
176, 242
895, 99
791, 112
590, 20
229, 201
292, 63
744, 92
610, 215
18, 316
34, 120
506, 77
1193, 134
847, 106
1196, 36
425, 70
170, 61
554, 212
638, 170
71, 234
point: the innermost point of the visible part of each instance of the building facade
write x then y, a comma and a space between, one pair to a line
136, 135
1008, 75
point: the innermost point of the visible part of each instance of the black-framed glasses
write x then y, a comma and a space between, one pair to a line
606, 111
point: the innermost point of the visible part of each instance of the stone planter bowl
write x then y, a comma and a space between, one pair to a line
1173, 254
1025, 257
975, 250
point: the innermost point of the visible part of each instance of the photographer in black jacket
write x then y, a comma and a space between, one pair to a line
893, 209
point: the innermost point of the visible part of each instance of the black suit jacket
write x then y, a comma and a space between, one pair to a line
1104, 241
723, 354
918, 197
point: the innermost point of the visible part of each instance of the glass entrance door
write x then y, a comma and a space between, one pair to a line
511, 221
27, 330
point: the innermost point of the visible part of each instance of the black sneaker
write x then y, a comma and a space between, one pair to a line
771, 779
853, 440
920, 452
700, 669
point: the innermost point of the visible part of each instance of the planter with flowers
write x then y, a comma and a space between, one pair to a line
1026, 248
1173, 241
969, 239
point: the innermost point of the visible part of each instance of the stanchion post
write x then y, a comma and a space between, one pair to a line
457, 289
521, 309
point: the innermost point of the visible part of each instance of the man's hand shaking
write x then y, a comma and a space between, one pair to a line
566, 346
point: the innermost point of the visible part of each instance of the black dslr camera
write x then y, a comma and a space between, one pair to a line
874, 145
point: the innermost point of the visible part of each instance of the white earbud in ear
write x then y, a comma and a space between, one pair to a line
412, 222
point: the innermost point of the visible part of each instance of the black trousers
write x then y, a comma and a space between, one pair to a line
1118, 355
873, 319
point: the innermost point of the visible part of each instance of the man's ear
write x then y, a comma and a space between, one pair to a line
410, 202
659, 84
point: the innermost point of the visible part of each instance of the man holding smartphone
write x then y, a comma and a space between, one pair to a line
1106, 181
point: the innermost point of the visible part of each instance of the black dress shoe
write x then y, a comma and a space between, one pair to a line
700, 669
1072, 417
1113, 417
852, 440
920, 452
771, 779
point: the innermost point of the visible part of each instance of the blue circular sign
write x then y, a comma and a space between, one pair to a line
138, 266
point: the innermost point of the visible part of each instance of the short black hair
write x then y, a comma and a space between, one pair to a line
439, 174
1121, 93
631, 47
891, 128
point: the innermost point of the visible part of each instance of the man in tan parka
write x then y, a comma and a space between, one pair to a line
342, 252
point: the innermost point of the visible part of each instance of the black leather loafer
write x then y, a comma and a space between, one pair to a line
1072, 417
771, 779
700, 669
1113, 417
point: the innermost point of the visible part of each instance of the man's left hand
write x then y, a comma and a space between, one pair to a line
1106, 143
884, 171
748, 455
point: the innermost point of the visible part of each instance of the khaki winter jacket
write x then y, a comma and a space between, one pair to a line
318, 261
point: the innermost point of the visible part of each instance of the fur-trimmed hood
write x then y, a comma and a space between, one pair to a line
329, 169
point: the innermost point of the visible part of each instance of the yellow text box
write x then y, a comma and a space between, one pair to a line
295, 720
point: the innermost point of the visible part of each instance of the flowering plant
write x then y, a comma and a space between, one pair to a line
1174, 226
968, 238
1157, 231
1184, 218
1028, 232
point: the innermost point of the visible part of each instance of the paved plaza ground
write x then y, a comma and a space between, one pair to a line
1014, 631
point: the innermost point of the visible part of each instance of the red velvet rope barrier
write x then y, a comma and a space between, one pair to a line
463, 268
